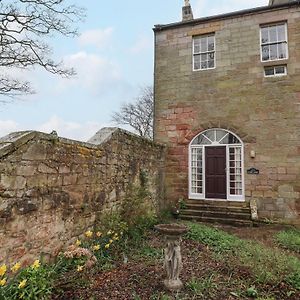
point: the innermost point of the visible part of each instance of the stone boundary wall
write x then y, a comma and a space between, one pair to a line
54, 189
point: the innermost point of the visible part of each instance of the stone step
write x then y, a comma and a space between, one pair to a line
218, 203
228, 221
230, 214
203, 207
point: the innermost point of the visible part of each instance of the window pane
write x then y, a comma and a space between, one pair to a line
281, 33
280, 70
265, 53
211, 135
220, 134
211, 64
196, 46
273, 52
282, 53
204, 65
204, 44
197, 62
211, 43
264, 35
204, 57
211, 60
235, 173
273, 34
269, 71
196, 172
201, 140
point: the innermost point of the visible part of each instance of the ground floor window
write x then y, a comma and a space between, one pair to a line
216, 166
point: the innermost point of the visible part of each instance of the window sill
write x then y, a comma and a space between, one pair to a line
271, 63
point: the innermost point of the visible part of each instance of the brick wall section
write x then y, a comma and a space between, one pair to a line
264, 112
52, 189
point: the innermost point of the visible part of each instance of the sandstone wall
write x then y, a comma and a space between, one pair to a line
53, 189
264, 112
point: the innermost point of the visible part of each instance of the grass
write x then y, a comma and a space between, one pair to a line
202, 287
267, 266
289, 239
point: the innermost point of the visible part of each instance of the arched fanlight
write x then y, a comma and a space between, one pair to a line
216, 136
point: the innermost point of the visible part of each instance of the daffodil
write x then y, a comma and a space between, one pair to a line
98, 234
15, 267
96, 247
22, 283
36, 264
79, 268
3, 282
89, 234
107, 246
3, 269
78, 243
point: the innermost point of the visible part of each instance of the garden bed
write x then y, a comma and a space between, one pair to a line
217, 265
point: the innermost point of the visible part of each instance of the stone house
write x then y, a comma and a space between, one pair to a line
227, 105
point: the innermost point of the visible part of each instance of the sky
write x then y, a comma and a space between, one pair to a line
113, 58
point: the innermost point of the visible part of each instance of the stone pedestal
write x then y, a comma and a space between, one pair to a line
173, 260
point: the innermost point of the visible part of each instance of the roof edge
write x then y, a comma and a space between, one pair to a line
161, 27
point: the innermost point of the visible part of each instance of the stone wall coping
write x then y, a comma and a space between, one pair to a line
15, 140
235, 14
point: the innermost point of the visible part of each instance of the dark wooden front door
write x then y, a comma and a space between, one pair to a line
215, 172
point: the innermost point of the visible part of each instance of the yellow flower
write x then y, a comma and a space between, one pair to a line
78, 243
79, 268
16, 267
36, 264
109, 232
111, 241
99, 234
89, 234
107, 246
115, 238
22, 283
3, 282
96, 247
22, 296
3, 269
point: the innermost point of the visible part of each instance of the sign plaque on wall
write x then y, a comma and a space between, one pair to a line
253, 171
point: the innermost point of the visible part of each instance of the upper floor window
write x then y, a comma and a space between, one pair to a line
274, 42
204, 52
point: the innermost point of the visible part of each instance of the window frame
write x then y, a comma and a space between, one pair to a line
276, 75
200, 53
278, 42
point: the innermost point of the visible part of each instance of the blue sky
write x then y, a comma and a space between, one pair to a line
113, 57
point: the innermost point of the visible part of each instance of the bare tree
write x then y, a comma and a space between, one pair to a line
24, 26
138, 115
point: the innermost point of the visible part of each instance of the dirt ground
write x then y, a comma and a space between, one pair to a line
141, 278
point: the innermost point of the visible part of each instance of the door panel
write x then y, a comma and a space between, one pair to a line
215, 172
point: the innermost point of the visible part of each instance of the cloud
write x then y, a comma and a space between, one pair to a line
206, 8
8, 126
94, 73
96, 37
143, 43
69, 129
